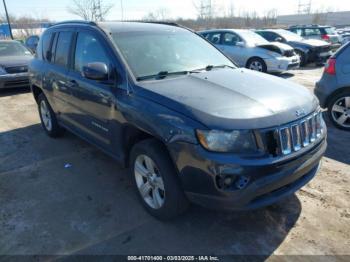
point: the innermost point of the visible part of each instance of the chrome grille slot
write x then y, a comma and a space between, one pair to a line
296, 136
286, 143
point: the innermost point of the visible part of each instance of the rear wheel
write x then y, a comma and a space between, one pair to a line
257, 64
156, 180
339, 110
48, 118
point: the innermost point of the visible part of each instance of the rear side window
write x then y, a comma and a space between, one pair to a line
45, 46
311, 32
62, 48
88, 49
231, 39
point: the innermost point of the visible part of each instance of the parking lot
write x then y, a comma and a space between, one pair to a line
64, 196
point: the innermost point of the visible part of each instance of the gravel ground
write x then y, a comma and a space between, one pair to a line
91, 207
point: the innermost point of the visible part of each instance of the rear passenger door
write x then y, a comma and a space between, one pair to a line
57, 68
92, 104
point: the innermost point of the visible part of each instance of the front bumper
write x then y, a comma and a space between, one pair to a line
14, 80
282, 64
269, 180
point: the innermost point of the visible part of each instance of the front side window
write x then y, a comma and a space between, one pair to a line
231, 39
148, 53
88, 49
62, 48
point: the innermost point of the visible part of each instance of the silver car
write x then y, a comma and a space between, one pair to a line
252, 51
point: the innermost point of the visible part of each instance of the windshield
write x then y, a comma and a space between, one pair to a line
13, 49
252, 38
289, 36
148, 53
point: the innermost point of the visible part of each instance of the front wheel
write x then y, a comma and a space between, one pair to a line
156, 180
257, 64
339, 110
301, 56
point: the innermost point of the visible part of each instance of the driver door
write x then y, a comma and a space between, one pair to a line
92, 106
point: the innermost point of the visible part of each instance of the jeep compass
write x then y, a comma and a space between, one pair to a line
189, 124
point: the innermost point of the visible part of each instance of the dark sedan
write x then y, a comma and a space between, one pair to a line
14, 59
308, 50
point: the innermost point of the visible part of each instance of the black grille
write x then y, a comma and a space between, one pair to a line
323, 49
289, 53
292, 137
300, 134
16, 69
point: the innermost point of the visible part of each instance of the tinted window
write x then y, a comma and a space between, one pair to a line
267, 35
298, 31
62, 48
214, 38
46, 41
88, 50
231, 39
311, 32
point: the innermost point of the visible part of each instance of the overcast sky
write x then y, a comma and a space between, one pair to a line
137, 9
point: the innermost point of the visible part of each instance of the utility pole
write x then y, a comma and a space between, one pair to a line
8, 19
122, 9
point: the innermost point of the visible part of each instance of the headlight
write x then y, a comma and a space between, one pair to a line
2, 71
234, 141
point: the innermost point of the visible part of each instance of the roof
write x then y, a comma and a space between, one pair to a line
119, 27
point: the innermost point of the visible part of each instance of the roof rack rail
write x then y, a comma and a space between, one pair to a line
161, 23
75, 22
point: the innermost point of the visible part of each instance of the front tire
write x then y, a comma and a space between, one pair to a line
156, 180
257, 64
302, 57
339, 110
48, 118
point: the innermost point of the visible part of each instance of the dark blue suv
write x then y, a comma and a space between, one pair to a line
190, 125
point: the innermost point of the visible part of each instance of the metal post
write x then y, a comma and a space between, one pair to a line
8, 19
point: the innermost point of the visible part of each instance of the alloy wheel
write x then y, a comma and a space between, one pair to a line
45, 115
340, 111
256, 65
149, 181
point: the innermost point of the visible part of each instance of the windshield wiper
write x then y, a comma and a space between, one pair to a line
210, 67
162, 75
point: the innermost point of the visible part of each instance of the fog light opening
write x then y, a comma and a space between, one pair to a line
242, 182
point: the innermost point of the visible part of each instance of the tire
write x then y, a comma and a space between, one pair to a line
48, 118
302, 57
163, 197
339, 110
257, 64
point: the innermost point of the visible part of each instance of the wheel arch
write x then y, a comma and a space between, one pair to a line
36, 92
336, 92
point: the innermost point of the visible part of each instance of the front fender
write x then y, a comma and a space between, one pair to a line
159, 121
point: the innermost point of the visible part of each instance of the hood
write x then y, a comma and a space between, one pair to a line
8, 61
232, 98
281, 46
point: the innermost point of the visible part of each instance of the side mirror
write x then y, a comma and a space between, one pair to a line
240, 44
95, 71
279, 39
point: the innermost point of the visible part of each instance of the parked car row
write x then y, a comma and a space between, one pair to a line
271, 50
